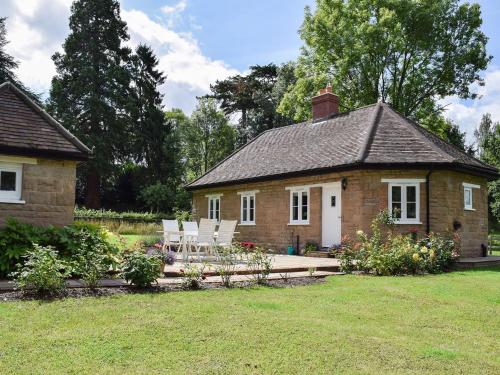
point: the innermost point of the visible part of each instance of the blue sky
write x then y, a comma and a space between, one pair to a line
199, 41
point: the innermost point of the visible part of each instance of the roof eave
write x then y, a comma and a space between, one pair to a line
49, 154
490, 174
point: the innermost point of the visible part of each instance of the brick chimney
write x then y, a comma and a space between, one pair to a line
325, 103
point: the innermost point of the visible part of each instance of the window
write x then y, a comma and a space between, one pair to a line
468, 195
404, 200
247, 208
10, 182
214, 207
299, 206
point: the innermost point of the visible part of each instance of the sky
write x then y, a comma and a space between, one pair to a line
200, 41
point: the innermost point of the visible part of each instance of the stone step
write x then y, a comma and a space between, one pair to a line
318, 254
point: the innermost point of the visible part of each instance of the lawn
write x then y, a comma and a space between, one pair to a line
351, 324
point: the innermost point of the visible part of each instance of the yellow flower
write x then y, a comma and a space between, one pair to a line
416, 257
423, 250
432, 254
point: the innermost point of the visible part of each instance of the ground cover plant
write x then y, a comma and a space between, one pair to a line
430, 324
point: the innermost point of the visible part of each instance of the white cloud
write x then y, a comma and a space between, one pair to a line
37, 29
467, 114
177, 8
189, 72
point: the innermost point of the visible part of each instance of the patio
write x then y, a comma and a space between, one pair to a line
280, 263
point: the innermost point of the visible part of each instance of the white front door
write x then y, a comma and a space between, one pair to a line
331, 215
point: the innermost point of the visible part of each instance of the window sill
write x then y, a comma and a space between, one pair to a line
12, 201
247, 224
469, 209
407, 222
300, 223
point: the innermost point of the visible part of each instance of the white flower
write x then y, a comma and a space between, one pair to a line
360, 232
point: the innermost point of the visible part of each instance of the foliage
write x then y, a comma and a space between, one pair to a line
140, 269
256, 97
206, 139
193, 275
165, 257
488, 143
386, 253
260, 265
86, 213
16, 239
90, 92
43, 272
91, 261
310, 246
408, 53
227, 260
158, 197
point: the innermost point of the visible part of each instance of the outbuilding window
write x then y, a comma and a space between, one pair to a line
214, 207
468, 195
247, 208
299, 206
404, 200
10, 182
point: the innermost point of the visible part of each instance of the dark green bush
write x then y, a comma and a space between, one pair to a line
16, 239
140, 269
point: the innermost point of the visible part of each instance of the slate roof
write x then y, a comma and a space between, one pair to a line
368, 137
26, 129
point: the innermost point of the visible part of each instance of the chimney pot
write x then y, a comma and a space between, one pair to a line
325, 104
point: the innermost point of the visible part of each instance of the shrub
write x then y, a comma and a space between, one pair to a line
193, 275
43, 272
310, 246
90, 262
386, 253
141, 270
16, 239
260, 265
227, 261
89, 214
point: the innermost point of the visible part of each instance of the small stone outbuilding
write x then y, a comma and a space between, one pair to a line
38, 159
324, 179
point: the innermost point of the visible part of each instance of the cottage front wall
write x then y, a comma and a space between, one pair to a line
48, 190
364, 196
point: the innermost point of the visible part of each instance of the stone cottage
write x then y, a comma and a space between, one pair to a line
38, 159
323, 179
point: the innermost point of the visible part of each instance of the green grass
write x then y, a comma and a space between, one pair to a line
351, 324
129, 241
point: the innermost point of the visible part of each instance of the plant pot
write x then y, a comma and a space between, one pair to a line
290, 250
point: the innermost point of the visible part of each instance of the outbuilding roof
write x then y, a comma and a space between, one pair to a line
375, 136
26, 129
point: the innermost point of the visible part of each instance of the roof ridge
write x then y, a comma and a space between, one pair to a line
48, 118
372, 128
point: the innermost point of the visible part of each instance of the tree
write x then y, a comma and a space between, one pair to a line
90, 91
8, 64
206, 139
256, 97
488, 142
408, 53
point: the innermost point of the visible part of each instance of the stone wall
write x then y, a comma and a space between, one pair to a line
363, 198
48, 188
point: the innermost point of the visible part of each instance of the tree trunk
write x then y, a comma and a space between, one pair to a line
93, 196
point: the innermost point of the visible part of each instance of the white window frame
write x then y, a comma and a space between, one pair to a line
469, 188
246, 195
12, 196
299, 190
403, 184
214, 198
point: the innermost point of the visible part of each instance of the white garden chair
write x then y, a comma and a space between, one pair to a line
190, 229
205, 237
226, 233
171, 234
